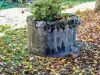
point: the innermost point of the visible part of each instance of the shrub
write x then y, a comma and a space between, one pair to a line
46, 10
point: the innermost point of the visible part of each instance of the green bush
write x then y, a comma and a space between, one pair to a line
46, 9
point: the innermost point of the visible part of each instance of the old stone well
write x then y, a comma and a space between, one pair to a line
53, 38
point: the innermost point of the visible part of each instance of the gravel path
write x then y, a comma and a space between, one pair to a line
81, 7
16, 18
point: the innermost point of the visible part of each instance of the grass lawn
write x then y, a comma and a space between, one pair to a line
15, 59
74, 2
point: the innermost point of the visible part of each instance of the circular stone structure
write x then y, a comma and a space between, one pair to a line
53, 38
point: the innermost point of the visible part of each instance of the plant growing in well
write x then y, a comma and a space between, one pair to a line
46, 10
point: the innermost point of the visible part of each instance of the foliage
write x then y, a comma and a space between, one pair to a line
50, 9
46, 9
16, 60
6, 5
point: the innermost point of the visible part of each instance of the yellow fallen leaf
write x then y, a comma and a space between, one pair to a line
74, 68
16, 73
52, 66
91, 72
63, 60
41, 62
30, 66
98, 27
47, 68
4, 58
95, 61
68, 62
12, 37
80, 73
75, 60
83, 70
95, 57
2, 43
65, 64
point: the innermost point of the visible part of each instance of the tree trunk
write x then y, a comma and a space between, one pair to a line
97, 6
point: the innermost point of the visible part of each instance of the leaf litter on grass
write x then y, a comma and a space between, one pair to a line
15, 59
